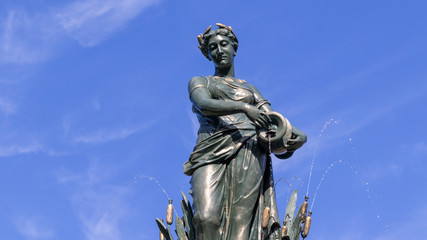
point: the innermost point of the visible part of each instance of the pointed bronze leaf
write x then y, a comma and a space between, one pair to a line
296, 226
208, 29
221, 25
231, 29
290, 209
188, 217
163, 229
180, 231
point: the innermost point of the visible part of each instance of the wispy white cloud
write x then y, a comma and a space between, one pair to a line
25, 39
90, 22
18, 143
100, 207
419, 148
7, 107
74, 120
30, 38
101, 227
103, 136
20, 149
33, 228
92, 176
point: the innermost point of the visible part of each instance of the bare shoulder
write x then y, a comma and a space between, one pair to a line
196, 82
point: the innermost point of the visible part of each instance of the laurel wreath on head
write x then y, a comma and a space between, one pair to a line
203, 38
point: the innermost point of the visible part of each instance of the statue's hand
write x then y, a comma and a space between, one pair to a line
297, 140
259, 117
294, 144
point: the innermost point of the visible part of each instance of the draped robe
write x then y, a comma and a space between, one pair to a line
231, 173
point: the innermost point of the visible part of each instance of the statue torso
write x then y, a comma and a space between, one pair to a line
225, 89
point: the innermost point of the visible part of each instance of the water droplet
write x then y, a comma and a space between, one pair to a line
155, 180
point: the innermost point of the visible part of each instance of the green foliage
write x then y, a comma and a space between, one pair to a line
188, 217
293, 224
184, 229
163, 229
180, 231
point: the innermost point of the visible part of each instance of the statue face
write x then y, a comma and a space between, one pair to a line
221, 51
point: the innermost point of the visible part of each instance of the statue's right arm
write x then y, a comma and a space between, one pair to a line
203, 101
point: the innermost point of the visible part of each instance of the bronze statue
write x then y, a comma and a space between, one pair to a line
232, 180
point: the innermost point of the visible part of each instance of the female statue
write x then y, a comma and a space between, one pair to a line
231, 173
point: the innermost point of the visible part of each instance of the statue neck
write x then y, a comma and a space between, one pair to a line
225, 72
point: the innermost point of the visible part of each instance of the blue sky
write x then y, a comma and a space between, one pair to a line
93, 96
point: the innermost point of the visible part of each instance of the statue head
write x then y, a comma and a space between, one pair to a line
223, 30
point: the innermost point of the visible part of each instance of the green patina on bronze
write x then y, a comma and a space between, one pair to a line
230, 167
